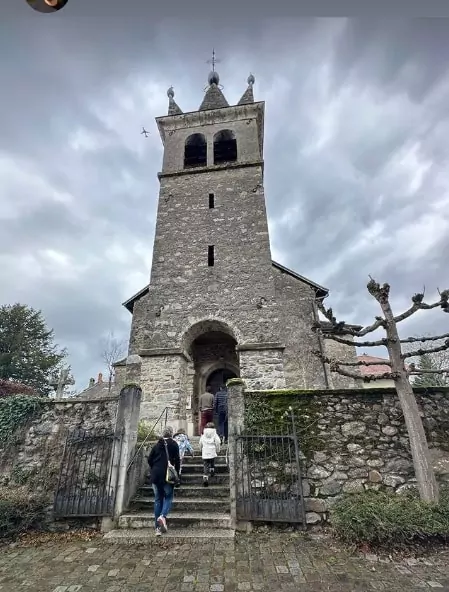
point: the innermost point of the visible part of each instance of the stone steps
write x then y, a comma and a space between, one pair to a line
195, 490
198, 513
197, 479
181, 535
198, 468
183, 504
177, 520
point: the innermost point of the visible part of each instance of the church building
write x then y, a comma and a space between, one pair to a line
217, 306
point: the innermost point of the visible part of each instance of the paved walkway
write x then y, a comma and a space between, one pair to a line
254, 562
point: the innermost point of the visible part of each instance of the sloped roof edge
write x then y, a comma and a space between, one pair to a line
320, 290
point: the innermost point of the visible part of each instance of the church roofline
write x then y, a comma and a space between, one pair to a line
319, 290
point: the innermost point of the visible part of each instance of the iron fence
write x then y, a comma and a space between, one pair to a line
87, 479
268, 477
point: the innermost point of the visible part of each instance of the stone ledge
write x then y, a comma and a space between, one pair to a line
163, 351
379, 391
74, 400
212, 168
259, 346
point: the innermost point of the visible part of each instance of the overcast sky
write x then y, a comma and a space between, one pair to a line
356, 156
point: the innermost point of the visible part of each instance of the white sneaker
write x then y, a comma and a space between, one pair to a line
158, 532
162, 523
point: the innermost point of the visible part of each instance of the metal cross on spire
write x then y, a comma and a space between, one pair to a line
213, 61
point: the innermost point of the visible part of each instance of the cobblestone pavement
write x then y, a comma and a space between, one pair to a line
254, 562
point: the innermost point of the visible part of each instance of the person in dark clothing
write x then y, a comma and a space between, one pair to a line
221, 411
206, 404
163, 491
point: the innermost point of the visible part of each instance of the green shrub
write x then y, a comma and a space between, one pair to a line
20, 511
145, 432
381, 519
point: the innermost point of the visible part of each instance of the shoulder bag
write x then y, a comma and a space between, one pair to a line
172, 477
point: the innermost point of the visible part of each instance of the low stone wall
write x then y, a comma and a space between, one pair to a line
33, 455
353, 440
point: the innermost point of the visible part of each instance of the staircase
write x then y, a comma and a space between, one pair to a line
197, 512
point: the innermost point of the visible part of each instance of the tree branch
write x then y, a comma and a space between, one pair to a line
342, 327
366, 377
423, 339
355, 343
423, 352
418, 304
414, 370
332, 361
443, 371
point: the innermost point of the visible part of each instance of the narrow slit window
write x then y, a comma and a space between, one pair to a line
210, 255
211, 201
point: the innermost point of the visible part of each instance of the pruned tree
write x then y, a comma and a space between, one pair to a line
112, 350
425, 476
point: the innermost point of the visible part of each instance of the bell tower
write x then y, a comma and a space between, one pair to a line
210, 305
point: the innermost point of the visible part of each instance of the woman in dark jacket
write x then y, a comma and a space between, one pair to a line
163, 491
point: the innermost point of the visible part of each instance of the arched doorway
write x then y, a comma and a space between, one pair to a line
212, 348
219, 377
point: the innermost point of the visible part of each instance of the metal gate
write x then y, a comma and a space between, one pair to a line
268, 478
87, 479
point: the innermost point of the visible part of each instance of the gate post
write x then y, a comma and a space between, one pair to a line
127, 420
236, 423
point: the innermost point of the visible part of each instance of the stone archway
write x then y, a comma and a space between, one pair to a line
211, 345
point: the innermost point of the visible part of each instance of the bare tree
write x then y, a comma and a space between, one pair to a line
425, 476
112, 350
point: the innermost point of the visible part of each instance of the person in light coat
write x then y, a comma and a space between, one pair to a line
210, 448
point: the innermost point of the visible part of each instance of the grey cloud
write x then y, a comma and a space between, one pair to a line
367, 90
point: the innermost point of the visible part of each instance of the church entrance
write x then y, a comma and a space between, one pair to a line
214, 360
218, 378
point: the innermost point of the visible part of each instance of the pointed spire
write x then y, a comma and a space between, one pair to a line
173, 108
214, 98
248, 95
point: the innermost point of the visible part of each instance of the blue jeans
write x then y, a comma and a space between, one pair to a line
163, 505
223, 425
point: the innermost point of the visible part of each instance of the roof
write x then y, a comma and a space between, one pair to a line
99, 390
375, 369
248, 96
320, 291
213, 99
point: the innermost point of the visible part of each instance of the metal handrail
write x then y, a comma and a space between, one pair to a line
165, 410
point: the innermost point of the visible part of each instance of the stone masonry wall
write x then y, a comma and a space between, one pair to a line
262, 369
354, 440
36, 450
302, 368
163, 383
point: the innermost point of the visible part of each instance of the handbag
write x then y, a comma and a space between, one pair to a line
171, 477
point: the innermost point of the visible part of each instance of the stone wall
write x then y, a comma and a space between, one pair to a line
262, 368
354, 440
163, 379
302, 368
33, 457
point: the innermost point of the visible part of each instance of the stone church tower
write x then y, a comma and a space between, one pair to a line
217, 306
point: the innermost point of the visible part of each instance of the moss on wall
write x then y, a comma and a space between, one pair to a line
270, 412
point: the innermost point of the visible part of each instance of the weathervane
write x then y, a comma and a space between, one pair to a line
213, 61
213, 75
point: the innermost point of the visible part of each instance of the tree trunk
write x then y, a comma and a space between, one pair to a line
425, 475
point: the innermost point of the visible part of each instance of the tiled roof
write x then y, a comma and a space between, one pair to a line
99, 390
375, 369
